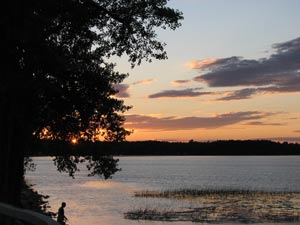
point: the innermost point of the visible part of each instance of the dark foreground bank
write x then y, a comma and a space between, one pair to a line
32, 200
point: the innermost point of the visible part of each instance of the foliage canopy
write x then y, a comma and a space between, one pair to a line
56, 78
58, 51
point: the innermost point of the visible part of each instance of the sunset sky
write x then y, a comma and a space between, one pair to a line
233, 72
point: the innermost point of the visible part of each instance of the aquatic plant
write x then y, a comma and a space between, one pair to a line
222, 205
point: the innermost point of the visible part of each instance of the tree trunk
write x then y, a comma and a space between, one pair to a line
14, 109
12, 143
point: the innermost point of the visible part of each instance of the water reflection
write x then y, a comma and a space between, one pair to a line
99, 202
102, 184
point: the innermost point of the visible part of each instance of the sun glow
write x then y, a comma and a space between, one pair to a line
74, 141
101, 184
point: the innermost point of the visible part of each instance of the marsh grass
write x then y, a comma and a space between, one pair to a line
184, 193
218, 206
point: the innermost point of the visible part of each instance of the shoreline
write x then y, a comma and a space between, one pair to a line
32, 200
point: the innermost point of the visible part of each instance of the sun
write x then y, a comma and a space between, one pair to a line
74, 141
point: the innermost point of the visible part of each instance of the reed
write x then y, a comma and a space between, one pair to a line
184, 193
221, 206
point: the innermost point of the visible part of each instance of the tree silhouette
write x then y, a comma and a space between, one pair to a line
56, 80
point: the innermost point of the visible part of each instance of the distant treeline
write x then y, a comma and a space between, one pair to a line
223, 147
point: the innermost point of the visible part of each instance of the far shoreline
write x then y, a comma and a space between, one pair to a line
158, 148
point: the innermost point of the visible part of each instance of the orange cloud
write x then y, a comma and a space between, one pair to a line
197, 64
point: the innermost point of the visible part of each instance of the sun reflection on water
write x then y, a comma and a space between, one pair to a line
102, 184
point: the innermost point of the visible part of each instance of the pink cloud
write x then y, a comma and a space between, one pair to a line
260, 123
143, 82
147, 122
122, 90
180, 82
197, 64
185, 93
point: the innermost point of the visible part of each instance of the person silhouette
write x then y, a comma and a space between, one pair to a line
61, 218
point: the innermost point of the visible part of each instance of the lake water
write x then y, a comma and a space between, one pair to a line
94, 201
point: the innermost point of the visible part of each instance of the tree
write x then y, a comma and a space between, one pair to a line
56, 79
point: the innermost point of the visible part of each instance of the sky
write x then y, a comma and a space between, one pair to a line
233, 72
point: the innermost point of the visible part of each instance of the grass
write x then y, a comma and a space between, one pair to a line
220, 206
183, 193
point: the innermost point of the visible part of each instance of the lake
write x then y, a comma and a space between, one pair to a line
94, 201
